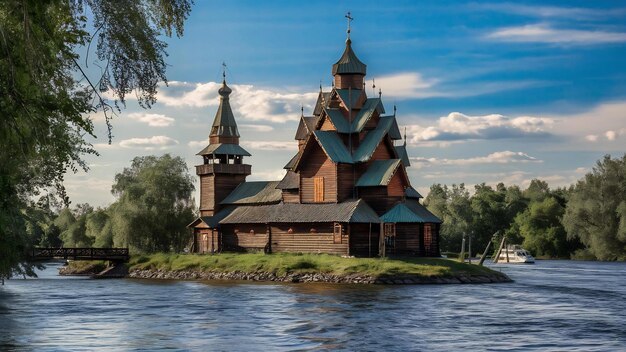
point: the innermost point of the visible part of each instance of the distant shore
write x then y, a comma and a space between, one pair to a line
299, 268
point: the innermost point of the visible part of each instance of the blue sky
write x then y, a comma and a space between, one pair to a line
488, 91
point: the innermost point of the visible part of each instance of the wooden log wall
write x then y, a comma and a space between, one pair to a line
298, 238
242, 237
346, 177
291, 196
349, 81
397, 184
407, 238
361, 243
383, 151
318, 165
215, 188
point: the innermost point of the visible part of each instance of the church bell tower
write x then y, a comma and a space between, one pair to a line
223, 168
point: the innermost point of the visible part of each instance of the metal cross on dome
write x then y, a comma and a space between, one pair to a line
350, 18
224, 70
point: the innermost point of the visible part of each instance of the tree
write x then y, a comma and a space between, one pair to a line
540, 227
154, 204
98, 227
489, 214
46, 95
596, 210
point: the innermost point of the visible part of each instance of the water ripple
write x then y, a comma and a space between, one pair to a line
553, 305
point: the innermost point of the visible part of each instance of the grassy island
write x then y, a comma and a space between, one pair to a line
309, 267
288, 267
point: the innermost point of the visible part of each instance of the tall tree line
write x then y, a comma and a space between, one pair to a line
586, 220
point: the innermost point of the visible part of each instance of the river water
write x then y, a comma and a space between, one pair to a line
551, 306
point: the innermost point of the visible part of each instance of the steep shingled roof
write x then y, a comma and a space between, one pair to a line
224, 123
257, 192
290, 181
353, 211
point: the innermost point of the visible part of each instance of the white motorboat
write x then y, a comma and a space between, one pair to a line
516, 255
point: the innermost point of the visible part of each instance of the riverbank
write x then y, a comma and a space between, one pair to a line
285, 267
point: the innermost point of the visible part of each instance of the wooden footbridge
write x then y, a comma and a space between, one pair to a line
112, 254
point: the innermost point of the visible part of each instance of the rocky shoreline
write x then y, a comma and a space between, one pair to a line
495, 277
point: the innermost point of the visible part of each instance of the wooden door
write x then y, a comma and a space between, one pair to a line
337, 233
318, 189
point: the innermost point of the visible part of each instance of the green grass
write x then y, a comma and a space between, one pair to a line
81, 267
283, 263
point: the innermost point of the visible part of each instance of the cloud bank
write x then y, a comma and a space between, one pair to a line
460, 127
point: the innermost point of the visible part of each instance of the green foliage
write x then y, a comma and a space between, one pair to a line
46, 97
540, 226
532, 217
596, 210
154, 204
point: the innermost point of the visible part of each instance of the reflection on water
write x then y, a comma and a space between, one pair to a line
553, 305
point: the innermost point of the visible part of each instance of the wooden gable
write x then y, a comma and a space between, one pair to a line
317, 173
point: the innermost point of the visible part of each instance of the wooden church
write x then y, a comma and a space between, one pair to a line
345, 192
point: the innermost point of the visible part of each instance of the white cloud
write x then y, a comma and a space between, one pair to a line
266, 175
504, 157
552, 11
407, 85
271, 145
256, 128
460, 127
592, 137
151, 143
154, 120
611, 135
544, 33
198, 144
248, 102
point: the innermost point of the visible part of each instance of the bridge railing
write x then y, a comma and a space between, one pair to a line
82, 253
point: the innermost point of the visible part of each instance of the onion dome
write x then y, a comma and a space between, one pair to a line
349, 63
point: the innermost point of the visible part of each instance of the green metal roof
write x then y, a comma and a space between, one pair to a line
349, 96
400, 213
223, 149
258, 192
366, 112
338, 120
409, 211
402, 154
333, 146
353, 211
349, 63
410, 192
378, 173
421, 211
394, 131
373, 139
